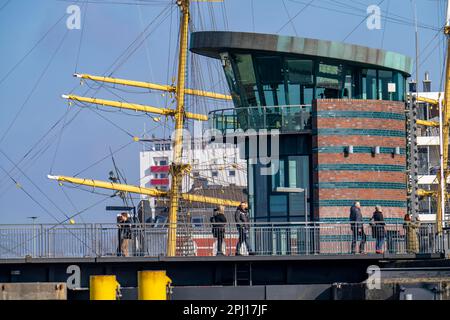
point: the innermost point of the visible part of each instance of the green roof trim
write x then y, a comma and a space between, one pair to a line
211, 43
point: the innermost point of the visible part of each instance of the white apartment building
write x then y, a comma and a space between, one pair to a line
218, 164
428, 147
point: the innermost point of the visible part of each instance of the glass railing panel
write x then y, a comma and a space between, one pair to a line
284, 118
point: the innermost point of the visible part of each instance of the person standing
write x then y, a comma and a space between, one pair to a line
357, 228
219, 220
411, 229
124, 227
242, 224
378, 229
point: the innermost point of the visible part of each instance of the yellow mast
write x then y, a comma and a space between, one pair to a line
134, 107
153, 86
445, 114
177, 169
141, 190
444, 124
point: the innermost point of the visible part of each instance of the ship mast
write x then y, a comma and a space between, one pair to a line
444, 114
177, 168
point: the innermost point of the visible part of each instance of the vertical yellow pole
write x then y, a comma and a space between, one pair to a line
103, 288
445, 129
152, 285
179, 119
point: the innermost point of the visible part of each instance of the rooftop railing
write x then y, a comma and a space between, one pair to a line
289, 118
201, 239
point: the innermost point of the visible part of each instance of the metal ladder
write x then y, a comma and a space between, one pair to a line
243, 274
185, 244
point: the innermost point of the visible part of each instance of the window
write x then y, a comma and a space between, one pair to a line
196, 174
293, 172
386, 84
423, 160
351, 84
247, 77
329, 81
232, 173
400, 81
300, 81
369, 84
278, 205
270, 73
215, 174
163, 163
157, 147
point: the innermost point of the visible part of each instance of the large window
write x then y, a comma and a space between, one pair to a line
369, 84
386, 86
286, 199
277, 80
247, 79
271, 77
329, 81
300, 81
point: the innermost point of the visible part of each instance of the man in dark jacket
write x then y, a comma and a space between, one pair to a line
357, 227
242, 224
218, 221
124, 228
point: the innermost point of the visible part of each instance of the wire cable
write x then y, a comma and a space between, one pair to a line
30, 94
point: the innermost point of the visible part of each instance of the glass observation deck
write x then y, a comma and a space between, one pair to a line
286, 119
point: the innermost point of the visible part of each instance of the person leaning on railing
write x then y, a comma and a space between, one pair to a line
218, 221
411, 229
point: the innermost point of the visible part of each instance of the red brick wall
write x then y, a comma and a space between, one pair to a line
358, 194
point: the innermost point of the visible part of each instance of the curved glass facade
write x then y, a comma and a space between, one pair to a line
276, 79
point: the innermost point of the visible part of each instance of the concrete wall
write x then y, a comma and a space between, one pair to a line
33, 291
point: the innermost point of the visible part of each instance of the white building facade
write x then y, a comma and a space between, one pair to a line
216, 163
428, 147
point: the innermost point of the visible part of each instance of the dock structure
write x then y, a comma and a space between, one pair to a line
293, 261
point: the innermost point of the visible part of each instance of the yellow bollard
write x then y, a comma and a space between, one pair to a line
103, 288
152, 285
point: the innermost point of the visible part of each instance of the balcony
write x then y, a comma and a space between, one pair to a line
160, 182
287, 119
159, 169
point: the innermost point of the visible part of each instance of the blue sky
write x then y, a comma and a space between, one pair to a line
34, 84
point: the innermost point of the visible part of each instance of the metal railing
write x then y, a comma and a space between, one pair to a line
428, 132
200, 239
288, 118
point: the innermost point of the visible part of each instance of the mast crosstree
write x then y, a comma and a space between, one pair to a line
177, 168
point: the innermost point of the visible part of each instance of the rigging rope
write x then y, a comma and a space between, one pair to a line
47, 66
